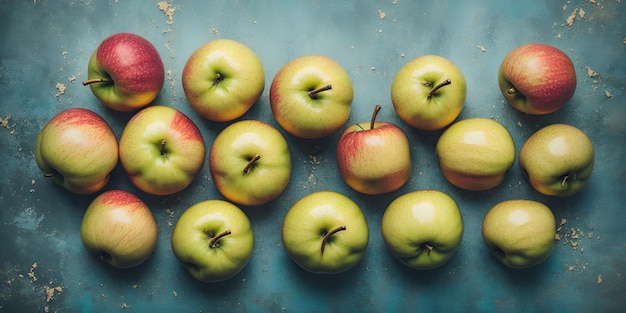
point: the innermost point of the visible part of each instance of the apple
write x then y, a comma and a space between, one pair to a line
423, 228
374, 158
519, 233
557, 160
125, 72
325, 233
310, 96
537, 78
428, 92
475, 154
222, 79
250, 162
213, 240
77, 150
161, 150
120, 228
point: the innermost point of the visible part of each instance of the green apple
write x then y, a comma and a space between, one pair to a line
428, 92
557, 160
422, 229
120, 228
223, 79
161, 150
475, 153
77, 150
213, 240
310, 96
519, 233
250, 162
125, 72
374, 157
325, 232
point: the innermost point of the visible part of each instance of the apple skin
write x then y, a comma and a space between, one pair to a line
417, 97
77, 150
311, 115
311, 218
240, 84
423, 229
233, 150
198, 226
537, 78
120, 228
374, 157
154, 167
519, 233
557, 160
133, 69
475, 154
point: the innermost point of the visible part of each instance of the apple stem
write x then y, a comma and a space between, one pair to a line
96, 80
314, 92
330, 233
376, 110
429, 247
163, 142
511, 90
250, 163
566, 178
213, 243
444, 83
218, 78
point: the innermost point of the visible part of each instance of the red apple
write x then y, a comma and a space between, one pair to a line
374, 157
125, 72
537, 78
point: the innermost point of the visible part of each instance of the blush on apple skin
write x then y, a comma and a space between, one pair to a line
183, 126
119, 198
79, 117
544, 77
132, 61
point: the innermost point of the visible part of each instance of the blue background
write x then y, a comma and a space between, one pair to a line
49, 42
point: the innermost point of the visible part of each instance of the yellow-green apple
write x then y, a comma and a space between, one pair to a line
310, 96
125, 72
223, 79
537, 78
519, 233
161, 150
475, 153
77, 150
374, 157
250, 162
119, 228
428, 92
557, 160
325, 232
213, 240
423, 228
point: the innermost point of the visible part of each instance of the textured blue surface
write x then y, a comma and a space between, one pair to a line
49, 42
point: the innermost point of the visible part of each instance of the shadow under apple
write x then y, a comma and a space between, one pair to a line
131, 275
531, 276
424, 278
316, 281
225, 290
